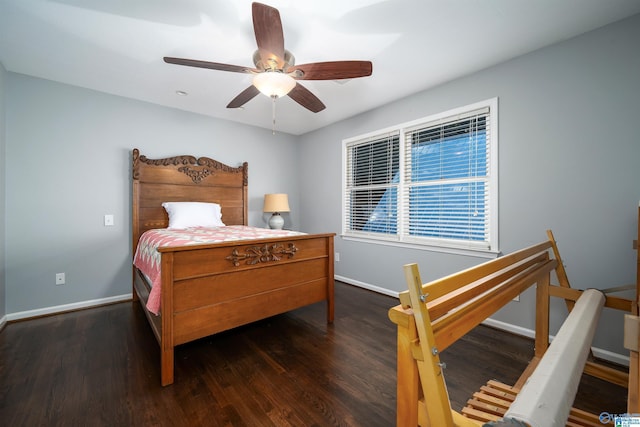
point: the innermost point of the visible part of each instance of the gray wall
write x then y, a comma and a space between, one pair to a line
3, 306
568, 161
68, 164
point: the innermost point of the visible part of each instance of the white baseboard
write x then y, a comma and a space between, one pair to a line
610, 356
530, 333
66, 307
514, 329
3, 322
367, 286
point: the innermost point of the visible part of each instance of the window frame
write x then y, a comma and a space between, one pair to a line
488, 248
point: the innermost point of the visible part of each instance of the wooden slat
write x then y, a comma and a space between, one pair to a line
441, 306
479, 415
501, 394
450, 328
481, 405
616, 303
507, 389
440, 287
584, 418
606, 373
491, 400
485, 406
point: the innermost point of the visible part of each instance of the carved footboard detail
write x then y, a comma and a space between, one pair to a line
263, 253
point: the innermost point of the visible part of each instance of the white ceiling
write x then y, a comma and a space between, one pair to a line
117, 46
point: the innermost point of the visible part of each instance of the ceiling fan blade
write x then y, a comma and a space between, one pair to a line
210, 65
269, 35
334, 70
245, 96
304, 97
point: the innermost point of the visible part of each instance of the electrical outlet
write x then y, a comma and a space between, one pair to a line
60, 279
337, 256
108, 220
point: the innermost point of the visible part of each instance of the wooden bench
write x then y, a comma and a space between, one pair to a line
433, 316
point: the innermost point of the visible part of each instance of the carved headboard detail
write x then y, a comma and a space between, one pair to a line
209, 166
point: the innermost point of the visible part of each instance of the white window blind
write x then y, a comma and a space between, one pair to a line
372, 184
446, 191
431, 182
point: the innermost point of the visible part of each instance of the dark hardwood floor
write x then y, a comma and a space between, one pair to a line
100, 367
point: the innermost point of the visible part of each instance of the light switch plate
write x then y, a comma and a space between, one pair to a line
60, 279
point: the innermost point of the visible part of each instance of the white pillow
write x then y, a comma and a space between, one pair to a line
193, 214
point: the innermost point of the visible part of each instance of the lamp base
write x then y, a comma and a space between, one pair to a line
276, 221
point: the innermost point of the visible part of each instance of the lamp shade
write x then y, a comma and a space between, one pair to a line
278, 202
274, 83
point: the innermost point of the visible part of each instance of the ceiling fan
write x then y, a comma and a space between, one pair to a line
275, 72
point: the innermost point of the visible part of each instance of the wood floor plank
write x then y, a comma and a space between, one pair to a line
100, 367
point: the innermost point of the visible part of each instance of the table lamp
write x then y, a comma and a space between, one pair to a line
276, 203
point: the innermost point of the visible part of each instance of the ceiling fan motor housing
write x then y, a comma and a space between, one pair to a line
289, 61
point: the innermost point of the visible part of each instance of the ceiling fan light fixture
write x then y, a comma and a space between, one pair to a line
274, 83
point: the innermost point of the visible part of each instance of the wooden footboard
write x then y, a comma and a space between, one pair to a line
212, 288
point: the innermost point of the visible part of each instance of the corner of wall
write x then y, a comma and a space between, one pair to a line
3, 138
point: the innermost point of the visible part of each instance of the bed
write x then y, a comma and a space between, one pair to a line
207, 288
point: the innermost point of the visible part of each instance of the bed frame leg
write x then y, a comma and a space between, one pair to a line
134, 293
330, 281
330, 302
166, 366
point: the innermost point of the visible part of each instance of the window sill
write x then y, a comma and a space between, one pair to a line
473, 252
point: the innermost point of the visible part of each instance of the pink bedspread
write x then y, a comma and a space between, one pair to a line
147, 258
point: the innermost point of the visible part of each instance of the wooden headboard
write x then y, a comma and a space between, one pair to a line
185, 179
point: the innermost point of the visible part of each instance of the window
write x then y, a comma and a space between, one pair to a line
431, 182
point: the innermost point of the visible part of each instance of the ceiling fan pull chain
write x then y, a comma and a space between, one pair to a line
273, 109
